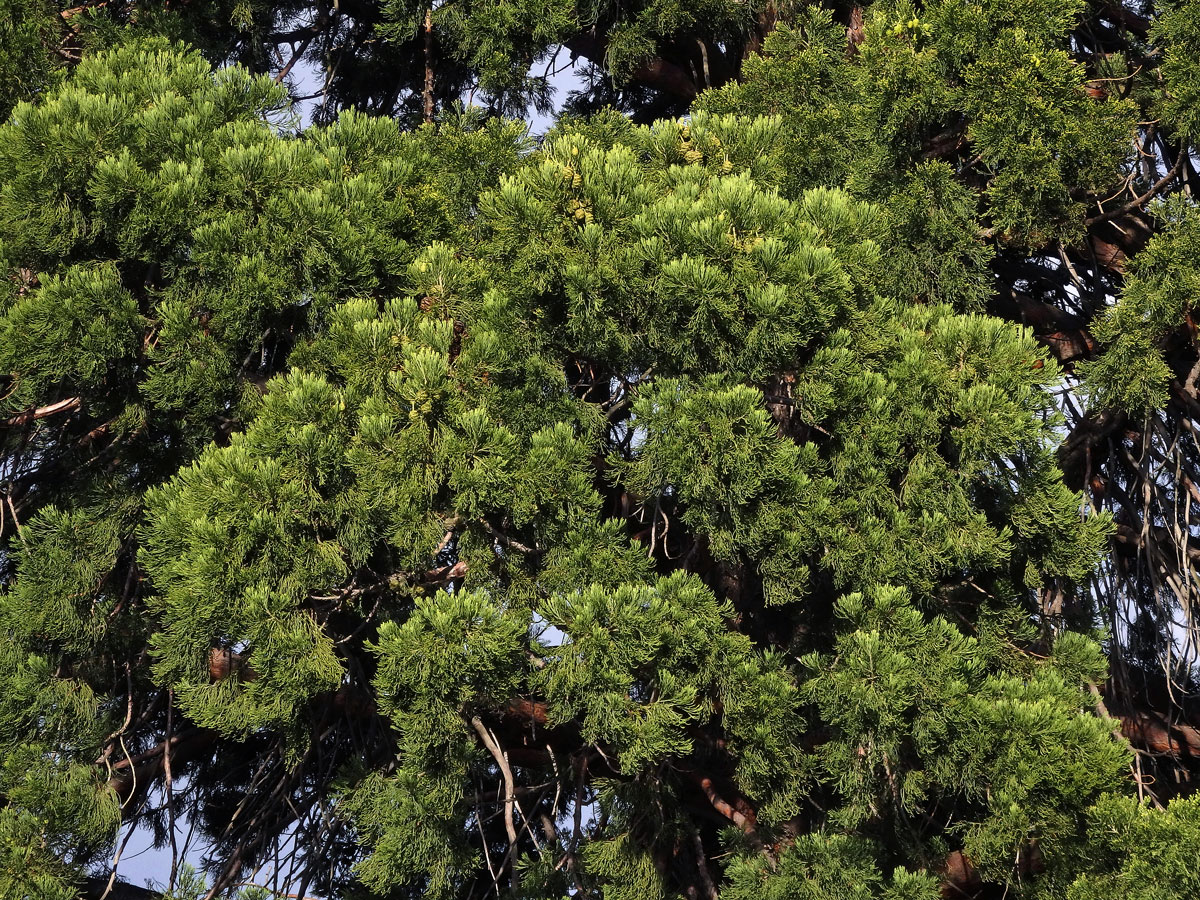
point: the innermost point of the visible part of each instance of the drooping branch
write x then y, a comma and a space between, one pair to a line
135, 773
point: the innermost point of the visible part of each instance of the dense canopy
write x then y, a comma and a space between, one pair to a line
775, 478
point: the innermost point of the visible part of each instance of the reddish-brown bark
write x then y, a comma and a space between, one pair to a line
1154, 733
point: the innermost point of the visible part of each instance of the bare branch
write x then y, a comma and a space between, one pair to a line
69, 405
510, 798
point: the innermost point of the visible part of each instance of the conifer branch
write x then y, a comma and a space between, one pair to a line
734, 815
70, 404
297, 54
1138, 202
142, 768
509, 542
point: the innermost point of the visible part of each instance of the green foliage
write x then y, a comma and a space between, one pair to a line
491, 38
823, 867
713, 448
637, 666
920, 709
804, 78
1146, 855
413, 825
1158, 299
87, 309
637, 669
1038, 131
452, 658
67, 555
647, 23
182, 238
1177, 29
649, 511
56, 811
632, 251
375, 452
27, 67
398, 430
997, 68
455, 657
923, 379
927, 218
164, 245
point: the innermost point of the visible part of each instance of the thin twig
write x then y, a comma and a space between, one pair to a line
1137, 203
171, 790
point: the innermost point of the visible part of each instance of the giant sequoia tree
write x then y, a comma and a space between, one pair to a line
797, 498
